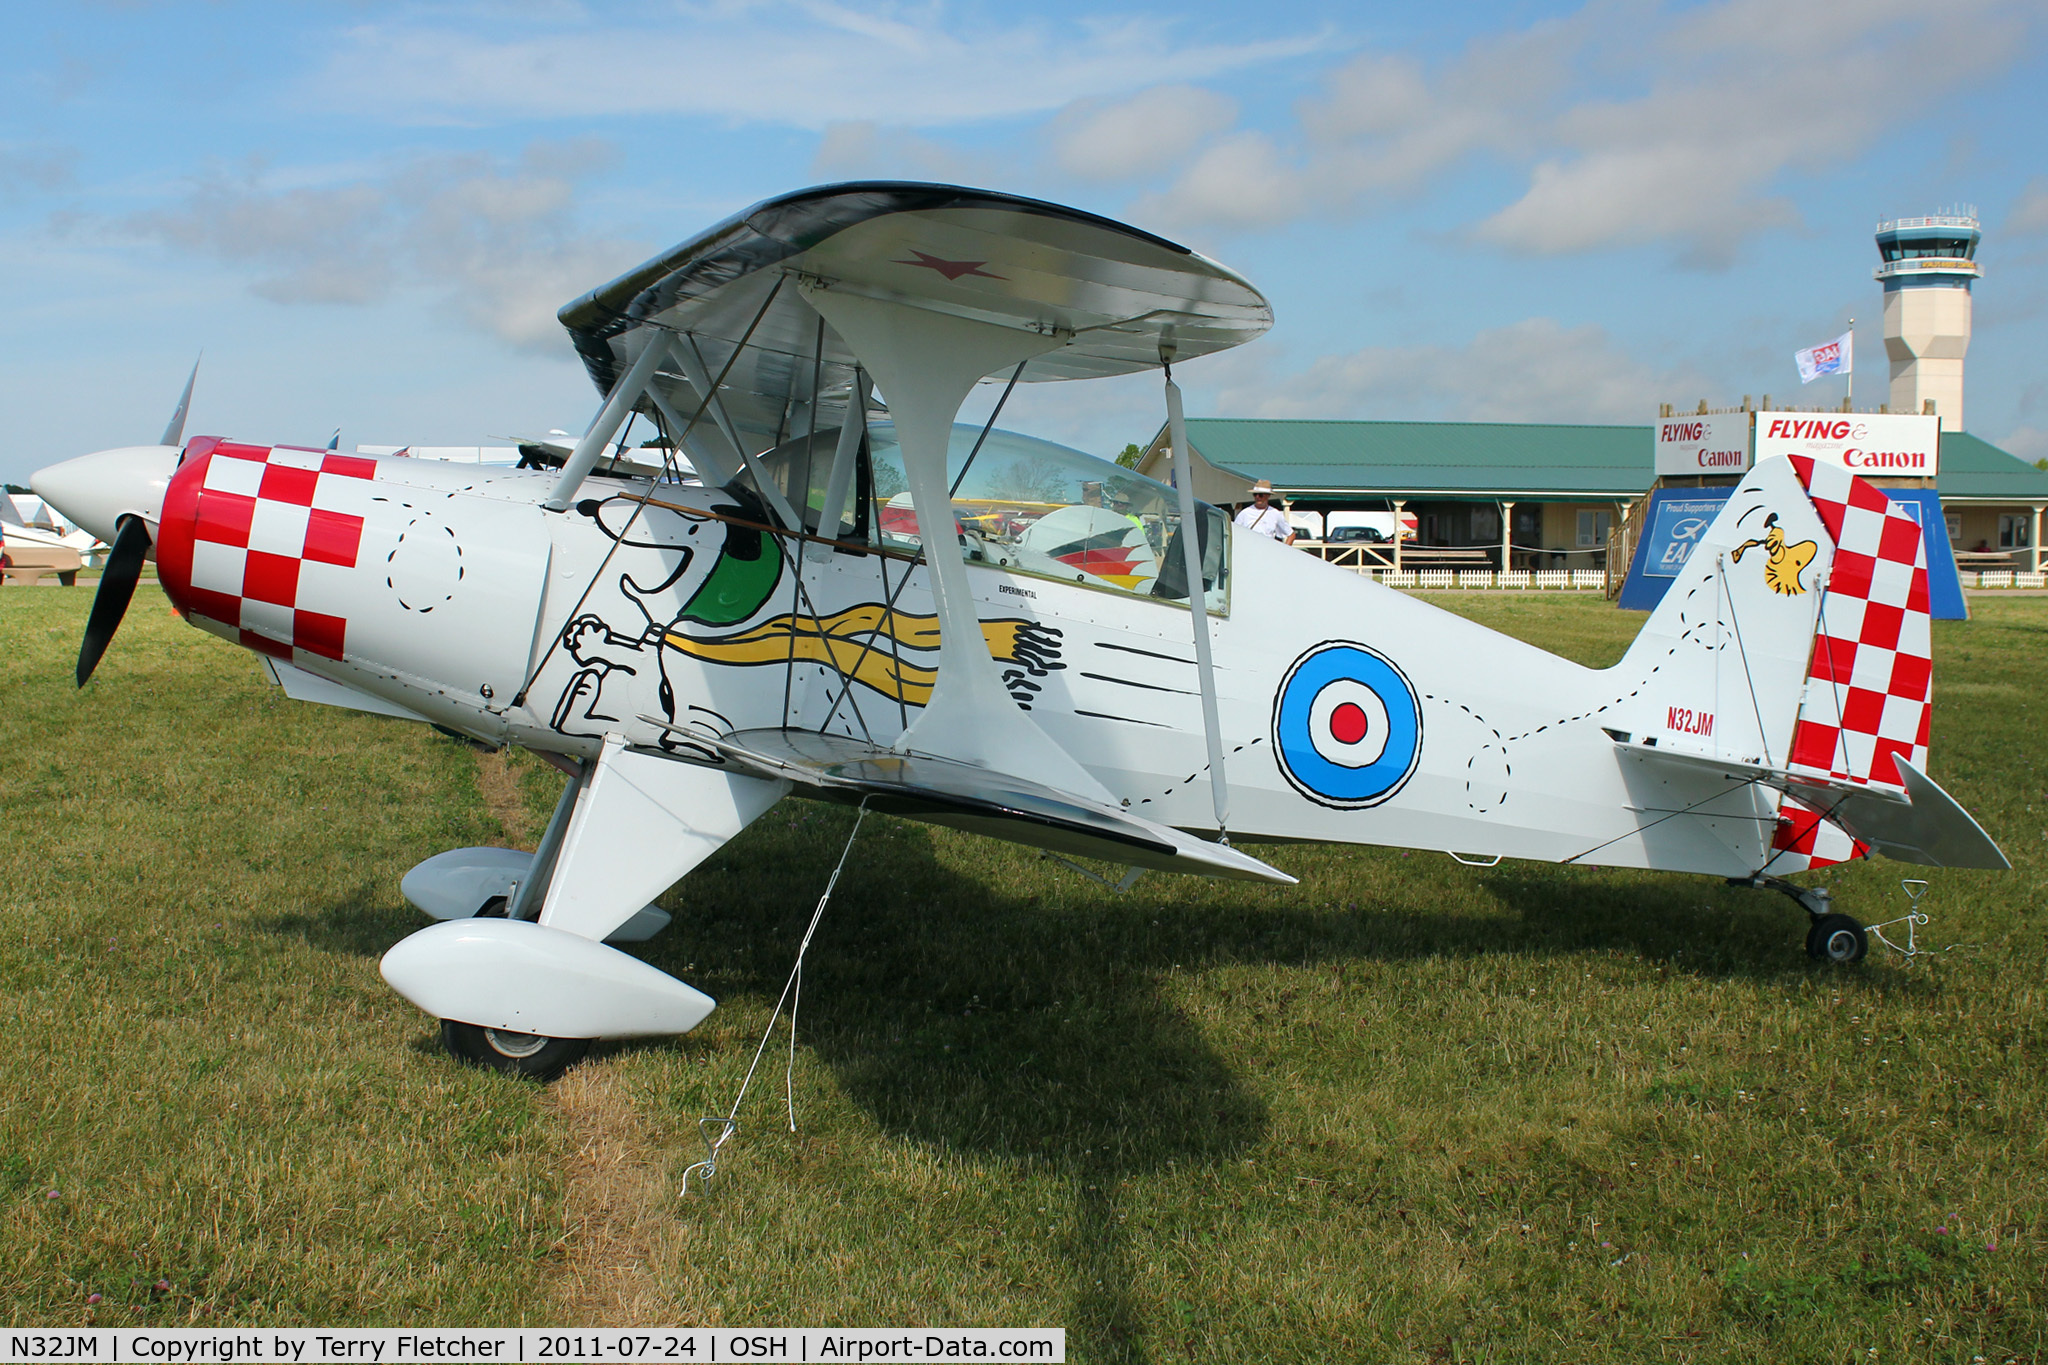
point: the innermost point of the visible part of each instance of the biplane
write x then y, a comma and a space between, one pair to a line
818, 583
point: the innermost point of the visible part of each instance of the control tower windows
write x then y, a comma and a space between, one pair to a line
1947, 248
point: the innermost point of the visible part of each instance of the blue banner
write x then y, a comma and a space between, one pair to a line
1679, 524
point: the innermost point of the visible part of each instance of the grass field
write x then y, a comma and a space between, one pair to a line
1406, 1111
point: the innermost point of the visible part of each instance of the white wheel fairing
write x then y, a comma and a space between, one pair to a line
1347, 728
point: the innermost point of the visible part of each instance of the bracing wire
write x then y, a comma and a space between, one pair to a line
987, 427
1755, 707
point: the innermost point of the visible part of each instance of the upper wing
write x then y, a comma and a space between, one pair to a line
1114, 291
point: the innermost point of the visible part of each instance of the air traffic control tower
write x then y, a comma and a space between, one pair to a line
1928, 267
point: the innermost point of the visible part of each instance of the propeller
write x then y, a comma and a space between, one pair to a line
125, 556
174, 431
117, 586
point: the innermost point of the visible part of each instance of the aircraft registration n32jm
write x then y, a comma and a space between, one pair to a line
1082, 660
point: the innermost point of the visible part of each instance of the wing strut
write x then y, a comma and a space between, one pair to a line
927, 362
617, 404
1198, 598
845, 457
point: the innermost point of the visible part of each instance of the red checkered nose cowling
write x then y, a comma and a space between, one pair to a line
263, 540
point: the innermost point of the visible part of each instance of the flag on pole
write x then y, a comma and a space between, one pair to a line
1834, 357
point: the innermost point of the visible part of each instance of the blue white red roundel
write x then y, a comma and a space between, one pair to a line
1346, 726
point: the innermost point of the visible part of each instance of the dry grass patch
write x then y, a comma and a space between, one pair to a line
618, 1207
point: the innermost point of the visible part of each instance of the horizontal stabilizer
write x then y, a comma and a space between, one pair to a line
966, 796
1934, 830
1923, 825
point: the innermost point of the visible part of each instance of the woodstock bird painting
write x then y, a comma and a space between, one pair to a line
1782, 563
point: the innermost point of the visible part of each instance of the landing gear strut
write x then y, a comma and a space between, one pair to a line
1831, 937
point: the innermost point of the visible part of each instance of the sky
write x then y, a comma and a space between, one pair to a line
365, 215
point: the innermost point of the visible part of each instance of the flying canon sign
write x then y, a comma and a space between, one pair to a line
1877, 445
1709, 443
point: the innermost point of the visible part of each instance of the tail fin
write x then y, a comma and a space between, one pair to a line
1797, 634
1723, 661
1794, 651
1805, 839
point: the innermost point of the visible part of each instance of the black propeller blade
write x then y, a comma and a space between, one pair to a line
117, 586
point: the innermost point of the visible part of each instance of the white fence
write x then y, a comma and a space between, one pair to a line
1586, 580
1570, 580
2002, 578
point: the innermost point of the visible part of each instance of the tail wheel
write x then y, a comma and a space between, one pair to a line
1836, 938
526, 1055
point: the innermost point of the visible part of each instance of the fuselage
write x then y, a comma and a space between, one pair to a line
1349, 712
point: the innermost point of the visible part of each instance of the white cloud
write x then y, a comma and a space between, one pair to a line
2029, 443
496, 240
1535, 370
34, 169
805, 65
1242, 181
862, 148
1701, 114
1690, 161
2029, 212
1137, 138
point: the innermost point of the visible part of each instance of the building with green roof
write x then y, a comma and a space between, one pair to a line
1991, 498
1560, 487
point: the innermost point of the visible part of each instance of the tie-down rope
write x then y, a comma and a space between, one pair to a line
720, 1129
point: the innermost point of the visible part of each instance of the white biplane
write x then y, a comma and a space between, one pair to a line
987, 631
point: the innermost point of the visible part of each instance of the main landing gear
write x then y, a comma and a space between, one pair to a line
526, 1055
1831, 937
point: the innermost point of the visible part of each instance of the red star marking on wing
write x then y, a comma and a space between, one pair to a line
952, 270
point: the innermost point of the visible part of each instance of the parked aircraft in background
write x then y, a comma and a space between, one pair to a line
28, 520
988, 631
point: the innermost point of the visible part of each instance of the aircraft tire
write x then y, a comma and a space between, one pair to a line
525, 1055
1837, 939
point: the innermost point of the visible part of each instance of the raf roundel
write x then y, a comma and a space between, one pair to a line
1346, 726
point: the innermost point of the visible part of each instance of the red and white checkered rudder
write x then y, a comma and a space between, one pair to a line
1868, 685
1806, 839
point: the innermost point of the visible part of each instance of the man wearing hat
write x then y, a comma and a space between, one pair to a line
1262, 516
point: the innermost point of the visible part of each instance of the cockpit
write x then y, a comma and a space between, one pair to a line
1020, 504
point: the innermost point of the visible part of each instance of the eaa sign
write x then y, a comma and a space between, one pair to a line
1881, 445
1677, 529
1712, 443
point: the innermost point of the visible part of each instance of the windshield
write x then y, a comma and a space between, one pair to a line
1025, 505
